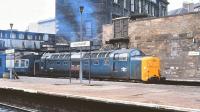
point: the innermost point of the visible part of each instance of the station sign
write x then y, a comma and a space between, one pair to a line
80, 44
10, 58
10, 51
193, 53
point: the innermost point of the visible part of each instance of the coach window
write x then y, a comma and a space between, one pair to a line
96, 62
17, 63
65, 63
22, 63
27, 63
86, 62
58, 63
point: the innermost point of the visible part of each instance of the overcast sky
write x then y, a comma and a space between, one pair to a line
24, 12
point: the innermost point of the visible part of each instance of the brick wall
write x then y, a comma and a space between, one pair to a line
170, 38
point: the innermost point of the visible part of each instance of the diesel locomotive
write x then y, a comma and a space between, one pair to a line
125, 64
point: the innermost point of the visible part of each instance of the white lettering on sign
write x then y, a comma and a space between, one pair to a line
80, 44
10, 51
193, 53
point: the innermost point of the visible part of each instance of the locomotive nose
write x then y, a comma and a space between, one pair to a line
150, 68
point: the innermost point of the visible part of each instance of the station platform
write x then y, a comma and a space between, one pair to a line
172, 97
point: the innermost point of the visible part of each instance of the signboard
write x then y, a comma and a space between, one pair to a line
10, 58
10, 51
193, 53
80, 44
10, 61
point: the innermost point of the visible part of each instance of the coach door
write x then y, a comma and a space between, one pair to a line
2, 64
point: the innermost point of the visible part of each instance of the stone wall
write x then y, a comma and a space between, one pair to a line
170, 38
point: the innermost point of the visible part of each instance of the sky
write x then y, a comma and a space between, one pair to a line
174, 4
23, 12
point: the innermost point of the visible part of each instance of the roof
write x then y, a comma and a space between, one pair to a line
178, 11
46, 21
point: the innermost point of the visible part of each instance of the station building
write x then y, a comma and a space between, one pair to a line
24, 40
99, 12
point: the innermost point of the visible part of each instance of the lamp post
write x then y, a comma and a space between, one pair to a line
11, 26
81, 39
11, 46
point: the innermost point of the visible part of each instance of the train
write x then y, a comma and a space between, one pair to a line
123, 64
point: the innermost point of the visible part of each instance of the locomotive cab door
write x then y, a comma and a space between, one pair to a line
120, 66
135, 68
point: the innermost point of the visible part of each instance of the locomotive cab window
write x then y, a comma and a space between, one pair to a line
123, 57
116, 56
137, 53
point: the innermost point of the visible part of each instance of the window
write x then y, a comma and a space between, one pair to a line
88, 26
17, 63
125, 5
13, 36
116, 56
40, 37
21, 36
153, 11
29, 37
86, 62
147, 8
6, 35
96, 62
140, 6
46, 37
123, 57
137, 53
22, 63
65, 63
115, 1
27, 63
58, 63
133, 5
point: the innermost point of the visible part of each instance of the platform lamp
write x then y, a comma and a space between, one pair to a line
11, 26
11, 46
81, 39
